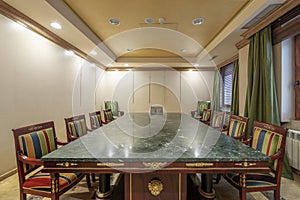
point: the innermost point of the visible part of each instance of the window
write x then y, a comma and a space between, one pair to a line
226, 86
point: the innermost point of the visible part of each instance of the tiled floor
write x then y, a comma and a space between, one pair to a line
290, 190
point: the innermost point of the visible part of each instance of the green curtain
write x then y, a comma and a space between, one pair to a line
261, 100
216, 92
234, 109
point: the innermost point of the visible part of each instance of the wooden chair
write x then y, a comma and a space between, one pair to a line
217, 120
237, 128
114, 106
95, 119
108, 116
76, 127
270, 140
31, 143
156, 110
201, 105
206, 116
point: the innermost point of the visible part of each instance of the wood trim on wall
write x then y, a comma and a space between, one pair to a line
228, 61
17, 16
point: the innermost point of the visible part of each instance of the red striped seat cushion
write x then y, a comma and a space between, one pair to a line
42, 181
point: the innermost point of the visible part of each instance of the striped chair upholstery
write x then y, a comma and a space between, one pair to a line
75, 127
270, 140
31, 143
108, 116
217, 120
206, 116
238, 126
95, 119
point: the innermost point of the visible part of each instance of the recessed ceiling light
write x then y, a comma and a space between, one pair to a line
110, 65
197, 21
129, 49
196, 65
114, 21
94, 52
182, 50
56, 25
149, 20
126, 65
69, 52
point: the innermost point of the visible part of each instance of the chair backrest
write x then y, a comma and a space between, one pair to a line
95, 119
238, 126
268, 139
206, 115
108, 116
75, 127
201, 105
156, 110
34, 141
113, 105
217, 120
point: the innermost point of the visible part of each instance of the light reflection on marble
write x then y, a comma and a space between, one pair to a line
140, 137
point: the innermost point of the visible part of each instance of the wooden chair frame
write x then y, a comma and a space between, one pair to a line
94, 114
245, 120
37, 163
277, 156
70, 137
106, 120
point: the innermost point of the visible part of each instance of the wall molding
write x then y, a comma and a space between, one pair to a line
228, 61
8, 174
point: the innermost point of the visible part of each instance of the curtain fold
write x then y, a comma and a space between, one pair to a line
216, 92
261, 100
234, 109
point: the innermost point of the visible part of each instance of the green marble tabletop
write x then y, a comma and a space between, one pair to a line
140, 137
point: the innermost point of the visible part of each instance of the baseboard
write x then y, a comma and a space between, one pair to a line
8, 174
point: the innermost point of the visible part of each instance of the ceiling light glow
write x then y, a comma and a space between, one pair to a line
56, 25
126, 65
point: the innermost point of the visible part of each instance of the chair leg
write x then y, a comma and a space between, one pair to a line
243, 194
93, 177
23, 196
88, 180
277, 194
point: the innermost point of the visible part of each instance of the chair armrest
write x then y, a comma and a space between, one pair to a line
61, 143
277, 155
31, 161
247, 141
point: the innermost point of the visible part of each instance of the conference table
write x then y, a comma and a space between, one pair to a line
155, 157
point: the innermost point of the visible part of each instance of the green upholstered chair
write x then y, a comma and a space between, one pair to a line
31, 143
76, 127
206, 116
237, 128
114, 106
201, 105
108, 116
217, 121
270, 140
95, 119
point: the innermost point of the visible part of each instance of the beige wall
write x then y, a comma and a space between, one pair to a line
38, 82
136, 91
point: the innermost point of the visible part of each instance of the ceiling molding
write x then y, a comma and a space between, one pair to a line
228, 61
17, 16
242, 43
284, 8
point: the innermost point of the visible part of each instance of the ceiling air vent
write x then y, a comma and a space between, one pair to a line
260, 16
